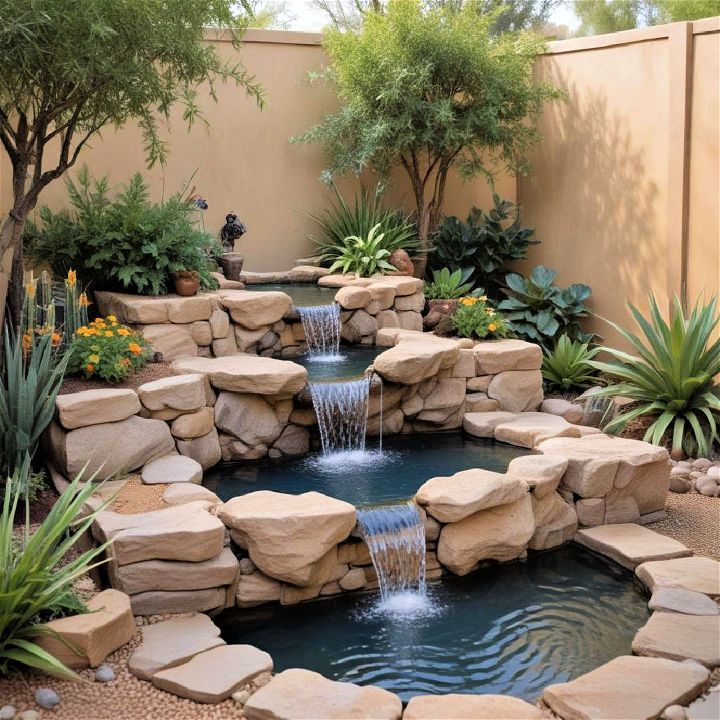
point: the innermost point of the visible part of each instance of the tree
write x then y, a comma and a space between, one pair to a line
428, 91
73, 67
605, 16
268, 14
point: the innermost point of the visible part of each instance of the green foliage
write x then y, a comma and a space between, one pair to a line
483, 245
341, 221
673, 379
122, 243
35, 577
448, 285
567, 366
364, 255
108, 350
29, 384
474, 317
429, 89
539, 311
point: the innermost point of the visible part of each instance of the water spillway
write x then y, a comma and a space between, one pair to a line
321, 324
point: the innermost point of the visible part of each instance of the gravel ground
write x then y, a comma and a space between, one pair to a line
151, 371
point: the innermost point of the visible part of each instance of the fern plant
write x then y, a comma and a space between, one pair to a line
364, 256
567, 366
672, 377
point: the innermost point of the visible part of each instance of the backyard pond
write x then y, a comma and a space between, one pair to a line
302, 294
513, 628
349, 362
366, 476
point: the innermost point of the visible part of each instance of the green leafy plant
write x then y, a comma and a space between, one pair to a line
448, 285
539, 311
35, 577
567, 366
123, 243
483, 245
673, 379
343, 220
29, 384
104, 348
474, 317
364, 256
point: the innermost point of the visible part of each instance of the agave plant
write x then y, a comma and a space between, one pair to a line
448, 285
34, 582
567, 366
673, 378
364, 256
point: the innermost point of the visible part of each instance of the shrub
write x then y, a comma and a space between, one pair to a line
36, 578
539, 311
481, 245
447, 285
567, 366
473, 317
125, 243
108, 350
29, 384
341, 221
364, 255
673, 379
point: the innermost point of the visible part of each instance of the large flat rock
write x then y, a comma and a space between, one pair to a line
107, 626
679, 600
173, 642
496, 356
254, 309
92, 407
499, 533
483, 424
630, 545
680, 637
416, 357
146, 310
213, 675
172, 469
183, 532
178, 392
248, 373
175, 602
449, 499
627, 688
699, 574
542, 473
527, 429
305, 695
287, 535
470, 707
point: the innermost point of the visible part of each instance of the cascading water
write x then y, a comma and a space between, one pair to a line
321, 324
395, 536
341, 409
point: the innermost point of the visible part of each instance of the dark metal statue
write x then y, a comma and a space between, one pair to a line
231, 231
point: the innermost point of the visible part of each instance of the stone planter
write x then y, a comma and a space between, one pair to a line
232, 265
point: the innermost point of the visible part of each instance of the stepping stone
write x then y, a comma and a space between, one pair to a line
530, 428
679, 600
305, 695
632, 688
699, 574
483, 424
680, 637
214, 675
470, 707
630, 545
172, 469
179, 494
173, 642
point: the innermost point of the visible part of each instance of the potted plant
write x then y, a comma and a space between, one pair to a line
187, 282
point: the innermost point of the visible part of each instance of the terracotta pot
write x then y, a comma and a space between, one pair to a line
419, 262
186, 286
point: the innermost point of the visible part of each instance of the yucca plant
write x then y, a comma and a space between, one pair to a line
364, 255
34, 583
673, 378
343, 220
567, 366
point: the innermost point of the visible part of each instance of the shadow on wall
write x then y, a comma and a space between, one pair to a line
595, 206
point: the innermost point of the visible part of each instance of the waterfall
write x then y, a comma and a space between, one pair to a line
395, 536
321, 324
341, 409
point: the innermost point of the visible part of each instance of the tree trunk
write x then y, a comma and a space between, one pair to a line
11, 270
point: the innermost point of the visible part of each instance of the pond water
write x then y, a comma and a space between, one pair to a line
396, 473
350, 362
302, 294
513, 628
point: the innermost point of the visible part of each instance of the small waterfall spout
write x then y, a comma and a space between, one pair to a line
321, 324
395, 536
341, 409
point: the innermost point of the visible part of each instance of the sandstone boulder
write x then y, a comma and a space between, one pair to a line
416, 358
555, 522
181, 493
179, 392
253, 309
257, 589
699, 574
107, 626
248, 417
288, 535
183, 532
175, 602
305, 695
496, 356
679, 600
172, 469
498, 533
193, 425
171, 341
517, 390
542, 473
402, 284
528, 429
351, 298
249, 374
680, 637
483, 424
206, 449
213, 675
132, 309
470, 707
92, 407
450, 499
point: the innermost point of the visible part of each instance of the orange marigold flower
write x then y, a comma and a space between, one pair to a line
109, 333
134, 348
125, 361
123, 331
56, 338
90, 368
492, 327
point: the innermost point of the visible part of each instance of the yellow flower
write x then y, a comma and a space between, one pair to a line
111, 318
483, 298
123, 331
94, 358
492, 327
72, 277
109, 333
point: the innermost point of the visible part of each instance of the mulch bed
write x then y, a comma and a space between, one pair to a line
152, 371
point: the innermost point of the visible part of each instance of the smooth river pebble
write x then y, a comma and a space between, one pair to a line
104, 674
46, 698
